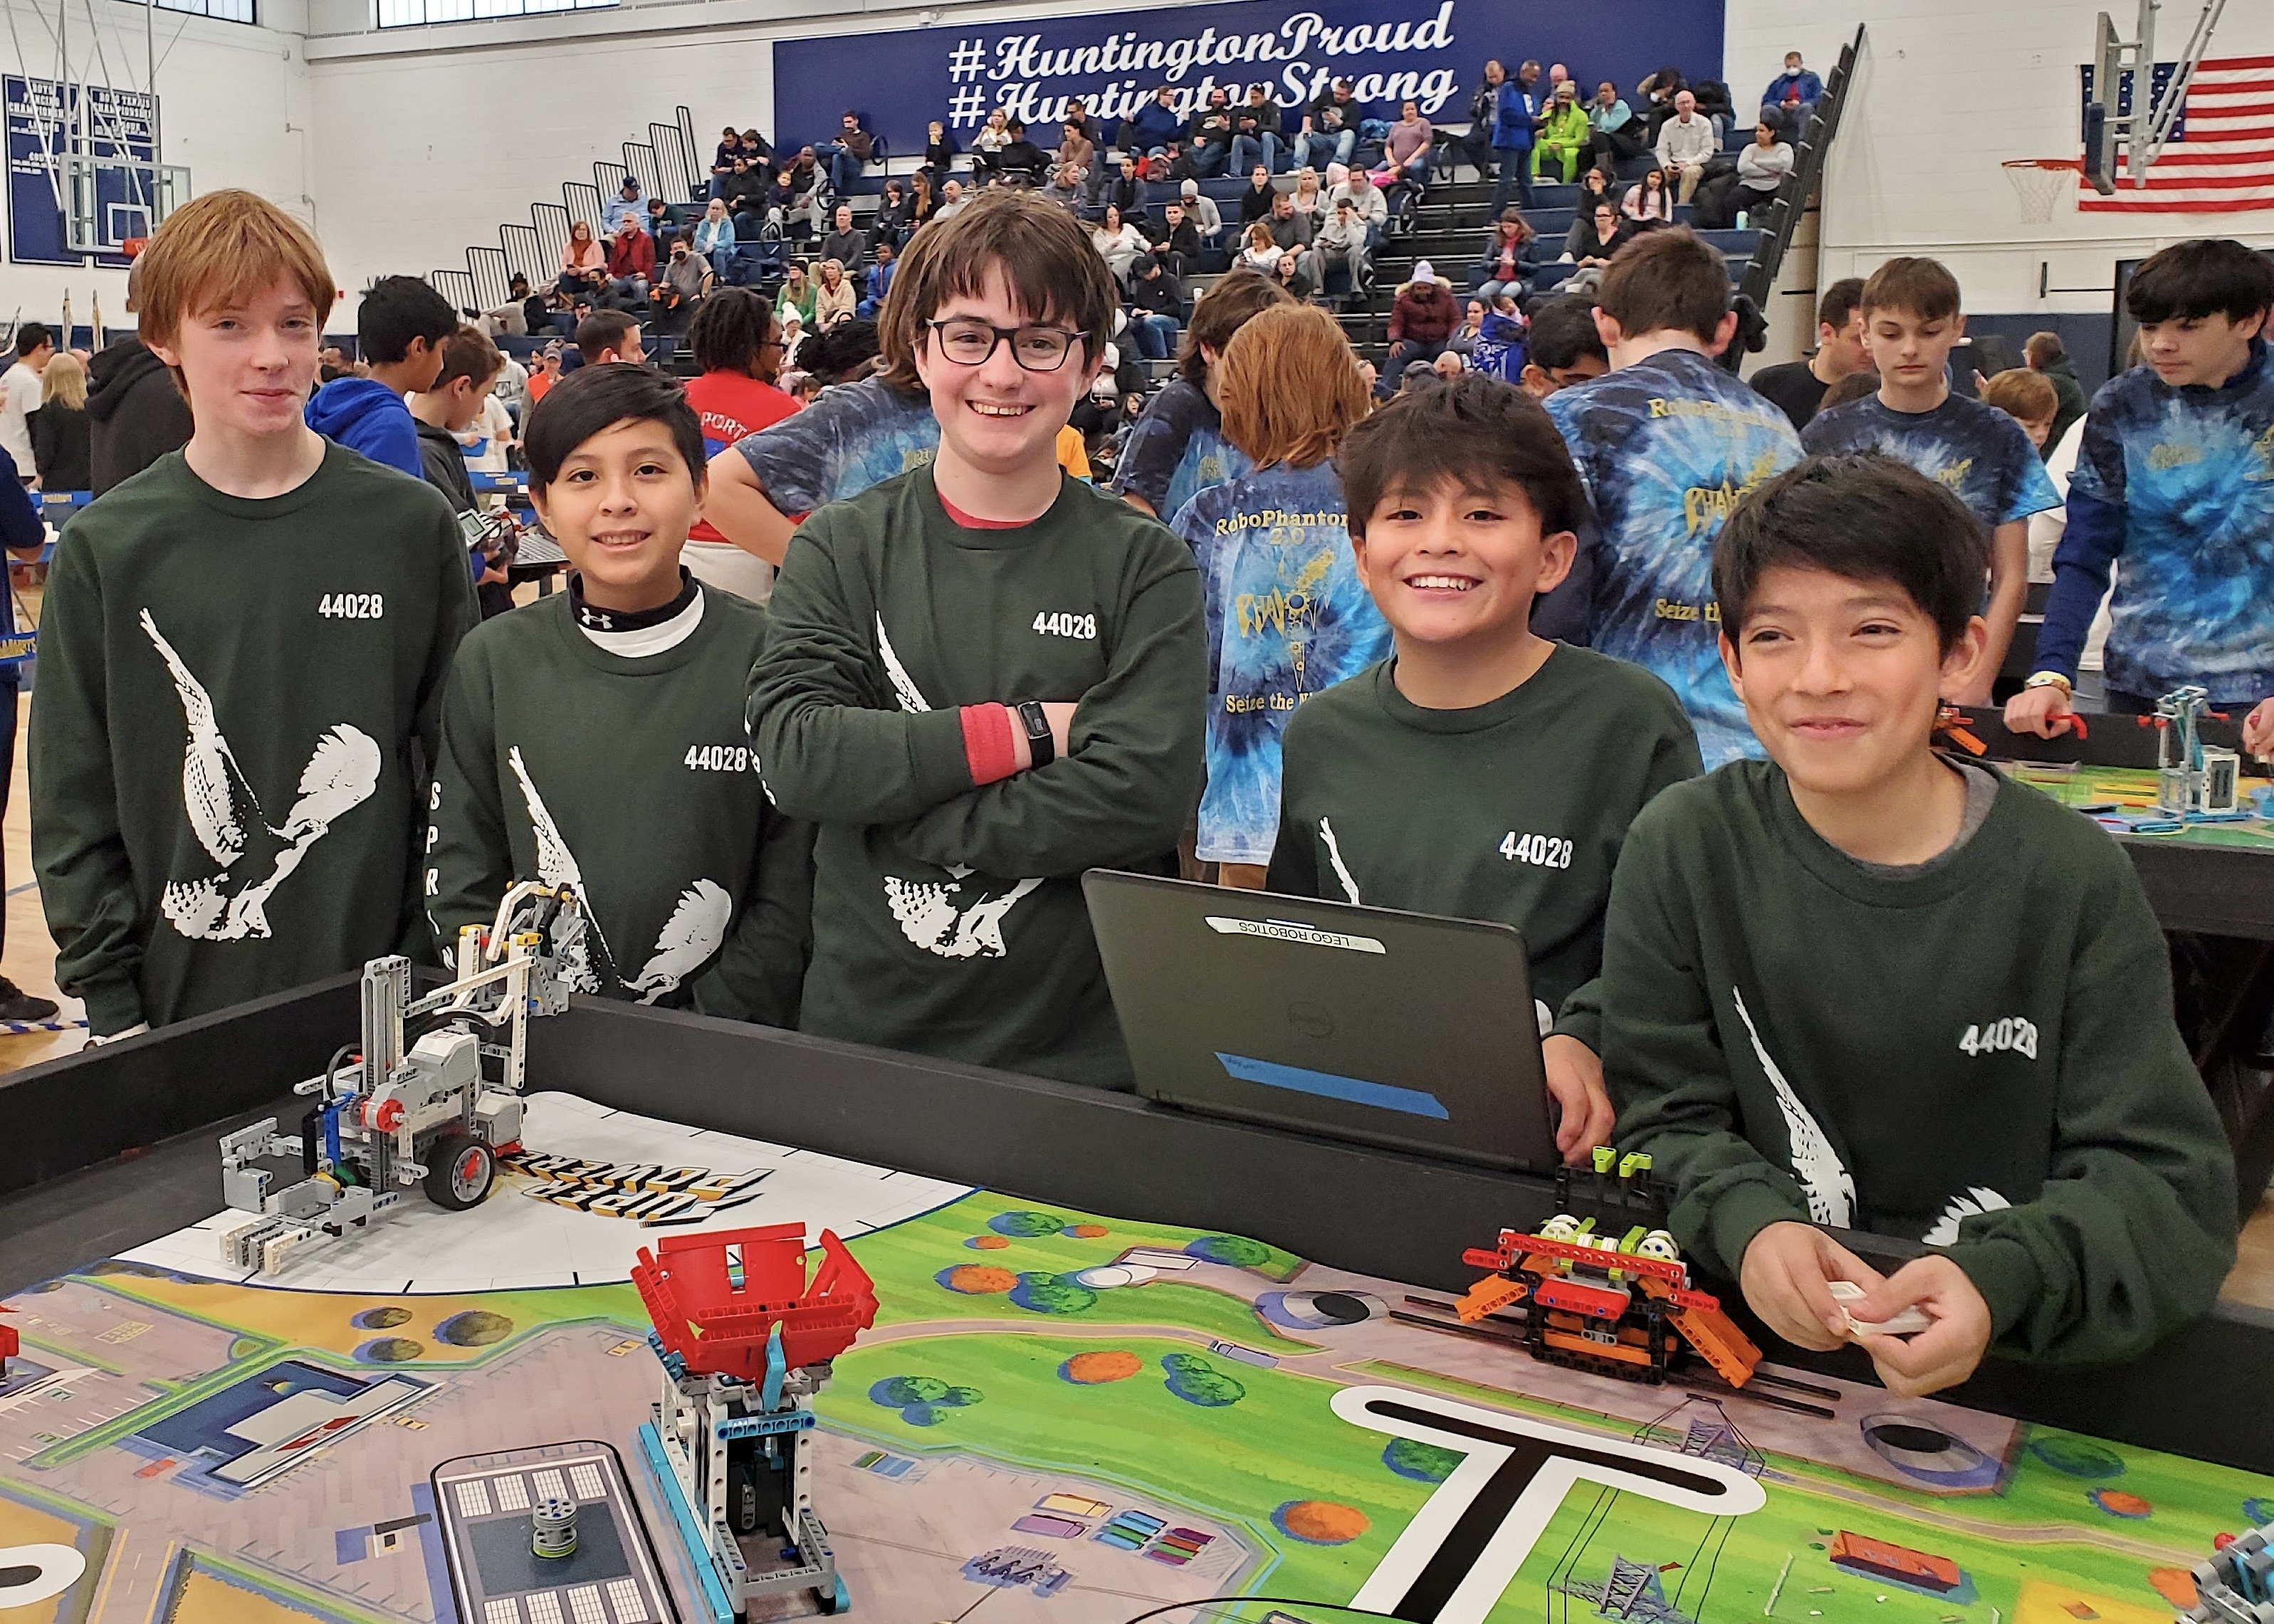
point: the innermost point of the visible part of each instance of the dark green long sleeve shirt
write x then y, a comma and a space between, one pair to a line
1512, 811
1978, 1053
948, 917
630, 780
239, 704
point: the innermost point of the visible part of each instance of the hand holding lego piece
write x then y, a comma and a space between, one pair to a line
1575, 1082
2045, 711
1947, 1352
1910, 1322
1787, 1276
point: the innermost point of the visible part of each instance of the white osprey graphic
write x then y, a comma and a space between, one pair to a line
1979, 1199
951, 920
225, 815
1335, 856
690, 937
1831, 1188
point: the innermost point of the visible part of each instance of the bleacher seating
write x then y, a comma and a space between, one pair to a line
1446, 224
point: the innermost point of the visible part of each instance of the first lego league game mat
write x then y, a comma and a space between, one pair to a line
1058, 1418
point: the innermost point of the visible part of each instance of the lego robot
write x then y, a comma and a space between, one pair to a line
2237, 1585
1608, 1293
1619, 1305
2192, 779
388, 1119
746, 1341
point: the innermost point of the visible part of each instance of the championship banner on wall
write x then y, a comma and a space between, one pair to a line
41, 114
1432, 52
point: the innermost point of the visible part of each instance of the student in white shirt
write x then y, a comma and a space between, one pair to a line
20, 396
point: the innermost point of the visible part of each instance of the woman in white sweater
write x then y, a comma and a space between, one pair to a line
1762, 166
1119, 241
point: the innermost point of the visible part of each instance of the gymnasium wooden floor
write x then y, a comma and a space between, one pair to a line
29, 961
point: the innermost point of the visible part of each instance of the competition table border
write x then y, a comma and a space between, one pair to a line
77, 1186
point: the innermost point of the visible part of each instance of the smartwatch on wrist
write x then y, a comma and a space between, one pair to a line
1040, 746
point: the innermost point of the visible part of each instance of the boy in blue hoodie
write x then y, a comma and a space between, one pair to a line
399, 333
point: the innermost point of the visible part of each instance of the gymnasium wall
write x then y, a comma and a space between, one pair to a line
1946, 91
481, 133
233, 100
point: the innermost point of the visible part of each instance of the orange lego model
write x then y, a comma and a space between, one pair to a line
1608, 1293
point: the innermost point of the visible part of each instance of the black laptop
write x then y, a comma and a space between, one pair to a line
1359, 1023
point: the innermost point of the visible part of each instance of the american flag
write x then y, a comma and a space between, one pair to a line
2221, 161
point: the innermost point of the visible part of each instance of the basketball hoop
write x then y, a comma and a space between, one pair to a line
2040, 183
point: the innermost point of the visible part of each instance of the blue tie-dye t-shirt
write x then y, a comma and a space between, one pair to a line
853, 436
2192, 470
1287, 616
1176, 451
1975, 450
1664, 448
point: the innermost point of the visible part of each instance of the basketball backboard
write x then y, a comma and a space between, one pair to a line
107, 200
2104, 83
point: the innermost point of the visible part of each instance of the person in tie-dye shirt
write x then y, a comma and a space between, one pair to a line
1177, 449
1665, 444
2174, 489
1288, 615
853, 436
1911, 323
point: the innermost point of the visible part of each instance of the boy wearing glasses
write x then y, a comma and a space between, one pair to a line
983, 677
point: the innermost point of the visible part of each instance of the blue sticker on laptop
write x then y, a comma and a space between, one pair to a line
1331, 1086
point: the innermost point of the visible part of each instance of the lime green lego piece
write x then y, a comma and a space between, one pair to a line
1635, 1161
1604, 1157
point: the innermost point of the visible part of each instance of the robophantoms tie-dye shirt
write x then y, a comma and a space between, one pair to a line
1664, 448
2175, 488
1287, 616
853, 436
1176, 451
1977, 451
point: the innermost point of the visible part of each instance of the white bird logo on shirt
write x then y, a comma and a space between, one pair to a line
557, 866
1978, 1199
928, 911
1831, 1188
1335, 856
904, 686
225, 815
690, 937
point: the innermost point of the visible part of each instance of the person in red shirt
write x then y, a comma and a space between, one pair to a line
737, 341
631, 263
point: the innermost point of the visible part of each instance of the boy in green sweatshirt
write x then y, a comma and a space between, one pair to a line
1481, 772
594, 739
1861, 985
983, 677
241, 663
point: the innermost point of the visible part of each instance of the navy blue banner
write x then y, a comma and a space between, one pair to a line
1431, 51
118, 124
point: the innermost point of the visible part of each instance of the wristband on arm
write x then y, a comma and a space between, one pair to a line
989, 747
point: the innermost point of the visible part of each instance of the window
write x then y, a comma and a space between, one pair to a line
228, 10
407, 13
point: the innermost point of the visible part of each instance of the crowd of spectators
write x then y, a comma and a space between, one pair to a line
1324, 183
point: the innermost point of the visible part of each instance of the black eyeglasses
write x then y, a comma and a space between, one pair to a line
969, 342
